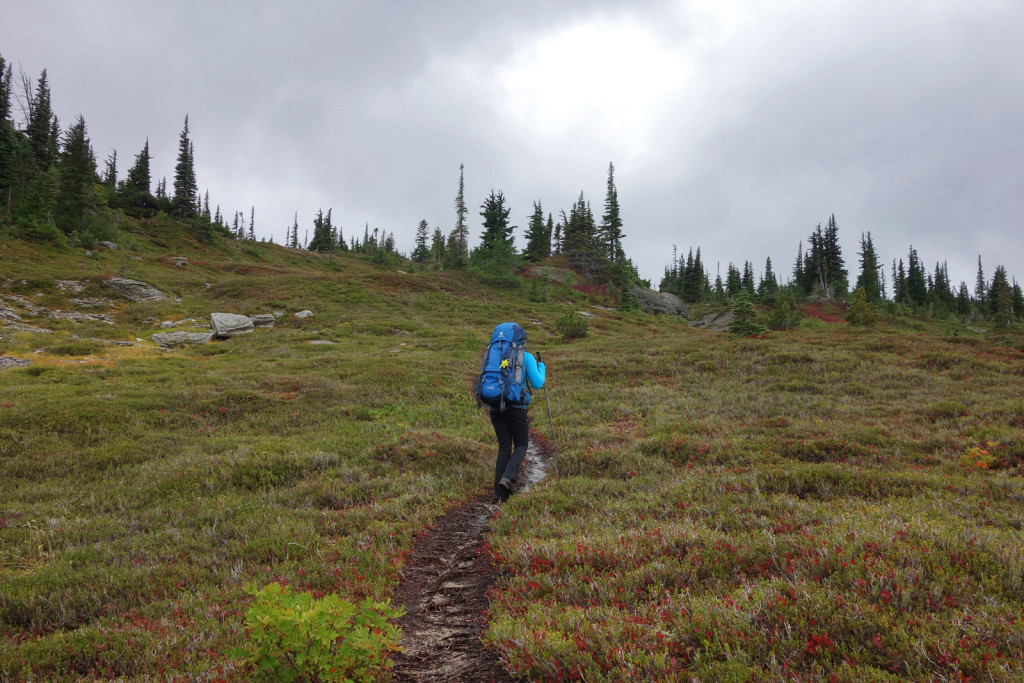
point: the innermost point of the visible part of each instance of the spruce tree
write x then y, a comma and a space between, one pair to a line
917, 287
733, 281
611, 221
77, 166
6, 80
437, 247
461, 232
1000, 298
321, 241
421, 253
133, 192
835, 265
868, 279
183, 203
42, 128
769, 285
980, 288
538, 236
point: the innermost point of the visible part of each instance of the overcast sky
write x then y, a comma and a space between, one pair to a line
734, 125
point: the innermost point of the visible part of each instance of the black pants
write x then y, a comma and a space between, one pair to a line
512, 428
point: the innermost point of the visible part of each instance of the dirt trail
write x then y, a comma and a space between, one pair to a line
444, 590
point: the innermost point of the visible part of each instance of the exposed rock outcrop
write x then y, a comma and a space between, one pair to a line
169, 340
716, 322
263, 320
659, 302
302, 315
133, 290
225, 325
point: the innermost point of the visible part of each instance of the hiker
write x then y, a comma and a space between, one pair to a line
507, 373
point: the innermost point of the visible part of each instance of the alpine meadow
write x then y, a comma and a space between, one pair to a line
807, 477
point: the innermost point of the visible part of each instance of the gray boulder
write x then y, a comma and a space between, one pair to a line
177, 261
302, 315
171, 339
263, 320
716, 322
659, 302
133, 290
107, 244
225, 325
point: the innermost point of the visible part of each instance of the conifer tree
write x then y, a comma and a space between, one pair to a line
461, 231
579, 239
293, 236
6, 80
611, 221
77, 165
963, 299
437, 248
733, 281
980, 288
321, 241
744, 321
42, 127
183, 203
1000, 298
769, 285
421, 253
109, 178
917, 287
538, 235
868, 279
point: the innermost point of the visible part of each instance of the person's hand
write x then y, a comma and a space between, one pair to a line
538, 357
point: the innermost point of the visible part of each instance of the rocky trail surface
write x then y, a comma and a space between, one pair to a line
444, 590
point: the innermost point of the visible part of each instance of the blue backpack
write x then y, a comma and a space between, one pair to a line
502, 379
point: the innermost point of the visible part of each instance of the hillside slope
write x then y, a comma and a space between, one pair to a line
829, 503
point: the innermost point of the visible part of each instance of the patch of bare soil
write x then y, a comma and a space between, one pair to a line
444, 589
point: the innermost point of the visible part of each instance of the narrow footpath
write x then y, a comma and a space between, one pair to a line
444, 588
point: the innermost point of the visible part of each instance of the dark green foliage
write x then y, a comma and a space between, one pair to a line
421, 253
186, 190
6, 78
784, 315
1000, 299
862, 312
458, 242
42, 128
769, 285
572, 325
744, 322
538, 235
869, 280
77, 192
611, 222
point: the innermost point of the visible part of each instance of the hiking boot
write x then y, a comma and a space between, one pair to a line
507, 485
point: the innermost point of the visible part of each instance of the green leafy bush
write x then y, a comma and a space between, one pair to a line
572, 325
293, 636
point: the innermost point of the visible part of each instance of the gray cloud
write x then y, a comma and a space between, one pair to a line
734, 126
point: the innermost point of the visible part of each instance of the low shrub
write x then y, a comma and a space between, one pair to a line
295, 637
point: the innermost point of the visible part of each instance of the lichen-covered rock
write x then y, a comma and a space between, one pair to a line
263, 320
225, 325
171, 339
302, 315
133, 290
659, 302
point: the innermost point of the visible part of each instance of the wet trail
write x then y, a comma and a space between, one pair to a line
444, 590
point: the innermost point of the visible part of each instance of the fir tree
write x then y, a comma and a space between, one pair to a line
109, 178
437, 247
733, 281
868, 279
77, 176
42, 127
862, 312
611, 221
744, 321
769, 286
183, 203
917, 287
321, 241
1000, 298
461, 231
252, 223
579, 240
980, 288
6, 89
538, 235
421, 253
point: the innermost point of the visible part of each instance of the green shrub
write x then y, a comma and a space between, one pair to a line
295, 637
572, 325
862, 312
744, 322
